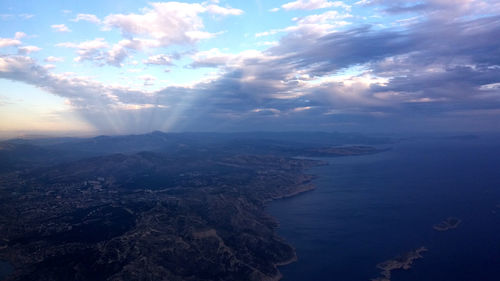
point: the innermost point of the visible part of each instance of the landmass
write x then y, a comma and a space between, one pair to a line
404, 262
183, 210
447, 224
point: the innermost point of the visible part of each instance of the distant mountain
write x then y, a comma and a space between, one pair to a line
26, 153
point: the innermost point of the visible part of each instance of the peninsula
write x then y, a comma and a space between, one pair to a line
404, 262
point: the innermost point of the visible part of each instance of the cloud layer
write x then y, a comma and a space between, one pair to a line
439, 70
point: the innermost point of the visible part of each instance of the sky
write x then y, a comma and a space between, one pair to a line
128, 67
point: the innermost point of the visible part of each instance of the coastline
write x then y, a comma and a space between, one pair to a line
303, 189
305, 186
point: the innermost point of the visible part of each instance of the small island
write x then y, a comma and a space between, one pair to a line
404, 261
447, 224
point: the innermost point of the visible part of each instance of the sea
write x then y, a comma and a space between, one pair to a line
5, 269
372, 208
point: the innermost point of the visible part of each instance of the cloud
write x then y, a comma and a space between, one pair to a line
92, 50
49, 66
19, 35
437, 9
223, 11
87, 17
87, 97
27, 49
429, 73
324, 18
8, 42
148, 79
313, 5
215, 58
53, 59
60, 28
23, 68
26, 16
159, 60
117, 54
411, 72
168, 23
161, 25
107, 108
101, 52
19, 16
313, 25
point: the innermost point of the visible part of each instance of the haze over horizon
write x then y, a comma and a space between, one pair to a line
97, 67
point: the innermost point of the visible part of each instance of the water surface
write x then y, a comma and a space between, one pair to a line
367, 209
5, 269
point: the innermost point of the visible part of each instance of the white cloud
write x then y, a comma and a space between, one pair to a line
27, 49
88, 50
316, 25
60, 28
214, 58
267, 43
101, 52
120, 51
26, 16
8, 42
86, 45
159, 60
363, 2
215, 9
330, 17
302, 108
53, 59
271, 110
268, 33
160, 25
87, 17
314, 4
169, 23
19, 35
20, 16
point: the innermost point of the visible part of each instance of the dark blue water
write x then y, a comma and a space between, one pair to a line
5, 269
367, 209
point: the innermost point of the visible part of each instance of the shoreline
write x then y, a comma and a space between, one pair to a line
306, 188
301, 188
